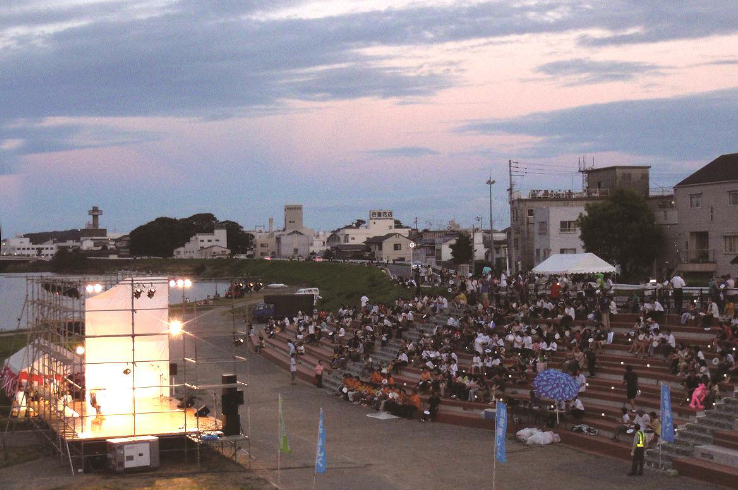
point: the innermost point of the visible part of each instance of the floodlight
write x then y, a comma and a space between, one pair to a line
172, 283
89, 288
98, 288
152, 292
137, 292
187, 283
180, 283
175, 328
80, 350
238, 341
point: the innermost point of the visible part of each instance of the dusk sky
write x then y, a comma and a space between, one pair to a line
152, 108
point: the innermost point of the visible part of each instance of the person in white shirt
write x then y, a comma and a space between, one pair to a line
364, 300
577, 408
581, 381
677, 285
528, 342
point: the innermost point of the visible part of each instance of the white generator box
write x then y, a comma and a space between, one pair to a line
133, 453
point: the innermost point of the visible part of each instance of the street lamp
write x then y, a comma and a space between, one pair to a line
490, 183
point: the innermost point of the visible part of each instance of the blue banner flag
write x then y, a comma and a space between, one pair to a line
500, 432
320, 459
667, 418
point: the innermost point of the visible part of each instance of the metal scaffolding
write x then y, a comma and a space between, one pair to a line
51, 390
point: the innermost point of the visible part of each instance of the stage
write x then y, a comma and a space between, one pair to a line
154, 417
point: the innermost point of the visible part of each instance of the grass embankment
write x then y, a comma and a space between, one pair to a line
339, 283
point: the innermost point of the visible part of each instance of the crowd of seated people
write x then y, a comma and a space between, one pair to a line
504, 331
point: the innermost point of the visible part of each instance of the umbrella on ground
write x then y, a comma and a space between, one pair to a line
555, 385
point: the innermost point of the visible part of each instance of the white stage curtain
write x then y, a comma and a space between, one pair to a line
131, 361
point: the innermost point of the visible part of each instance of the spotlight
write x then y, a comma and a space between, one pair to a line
180, 283
80, 350
152, 292
175, 328
238, 341
187, 283
89, 288
97, 288
137, 292
172, 283
258, 286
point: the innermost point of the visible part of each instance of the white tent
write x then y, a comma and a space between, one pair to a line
586, 263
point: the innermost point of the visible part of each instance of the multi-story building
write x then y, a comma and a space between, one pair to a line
381, 222
293, 244
269, 243
707, 207
205, 246
525, 238
392, 247
556, 232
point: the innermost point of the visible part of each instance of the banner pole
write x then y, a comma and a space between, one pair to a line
494, 468
279, 444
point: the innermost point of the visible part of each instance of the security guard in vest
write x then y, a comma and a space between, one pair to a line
638, 452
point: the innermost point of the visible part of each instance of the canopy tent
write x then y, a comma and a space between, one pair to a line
49, 360
586, 263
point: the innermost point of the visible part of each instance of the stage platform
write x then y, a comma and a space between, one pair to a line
155, 417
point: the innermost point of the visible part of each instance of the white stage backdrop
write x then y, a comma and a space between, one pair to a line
135, 359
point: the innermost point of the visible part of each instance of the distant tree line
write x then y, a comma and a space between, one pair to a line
160, 237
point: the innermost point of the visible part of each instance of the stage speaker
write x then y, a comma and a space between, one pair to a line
231, 424
229, 379
172, 369
203, 411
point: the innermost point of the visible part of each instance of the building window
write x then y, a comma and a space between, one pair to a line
733, 198
730, 243
694, 200
398, 246
712, 214
542, 227
353, 238
538, 255
530, 213
295, 251
567, 227
568, 251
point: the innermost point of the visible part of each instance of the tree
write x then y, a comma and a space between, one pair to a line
328, 254
65, 260
622, 230
462, 251
160, 237
239, 242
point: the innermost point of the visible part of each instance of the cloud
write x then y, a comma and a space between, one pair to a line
403, 152
691, 127
584, 71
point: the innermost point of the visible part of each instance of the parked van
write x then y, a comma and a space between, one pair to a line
314, 291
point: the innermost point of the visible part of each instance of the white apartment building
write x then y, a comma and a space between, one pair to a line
205, 245
556, 232
381, 222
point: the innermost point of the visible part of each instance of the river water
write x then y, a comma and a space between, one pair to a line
13, 295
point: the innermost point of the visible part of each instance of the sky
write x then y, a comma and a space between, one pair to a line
151, 108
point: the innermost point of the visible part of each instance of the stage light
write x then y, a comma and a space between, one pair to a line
172, 283
80, 350
187, 283
152, 292
238, 341
180, 283
137, 292
175, 327
89, 288
97, 288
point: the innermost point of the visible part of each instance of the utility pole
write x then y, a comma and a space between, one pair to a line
510, 239
416, 223
490, 183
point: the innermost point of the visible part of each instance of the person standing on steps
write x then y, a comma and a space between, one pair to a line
638, 452
630, 380
319, 374
293, 368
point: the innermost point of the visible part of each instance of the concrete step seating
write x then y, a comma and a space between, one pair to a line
604, 395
